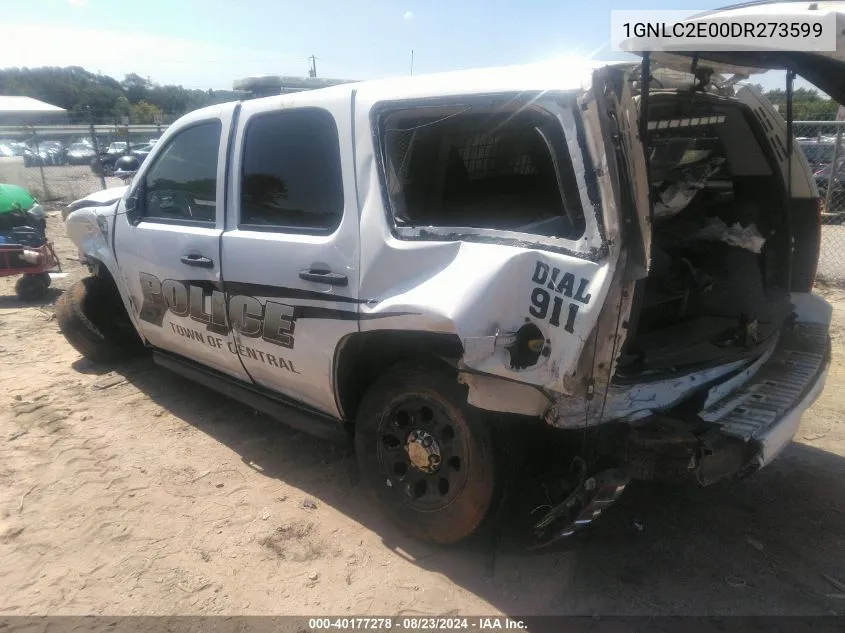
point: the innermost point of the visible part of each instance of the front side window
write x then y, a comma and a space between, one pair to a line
500, 165
291, 174
182, 184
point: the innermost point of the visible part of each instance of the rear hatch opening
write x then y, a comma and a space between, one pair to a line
718, 285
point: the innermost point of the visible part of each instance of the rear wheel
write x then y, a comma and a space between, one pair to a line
93, 320
425, 454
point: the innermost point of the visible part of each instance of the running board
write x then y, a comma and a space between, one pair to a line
293, 415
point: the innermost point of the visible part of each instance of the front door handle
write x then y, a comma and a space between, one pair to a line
197, 260
324, 277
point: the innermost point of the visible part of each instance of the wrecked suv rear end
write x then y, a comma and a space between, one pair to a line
677, 334
726, 346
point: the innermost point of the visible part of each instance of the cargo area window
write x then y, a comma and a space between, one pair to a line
500, 165
291, 176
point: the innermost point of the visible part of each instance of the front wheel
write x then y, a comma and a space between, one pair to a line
425, 454
93, 320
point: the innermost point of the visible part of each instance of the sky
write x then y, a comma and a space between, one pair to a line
210, 43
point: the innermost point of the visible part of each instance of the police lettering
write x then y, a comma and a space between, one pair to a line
271, 321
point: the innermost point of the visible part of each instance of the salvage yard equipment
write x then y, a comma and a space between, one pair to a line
24, 249
33, 264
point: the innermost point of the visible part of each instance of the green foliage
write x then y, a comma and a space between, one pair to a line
807, 104
145, 112
88, 96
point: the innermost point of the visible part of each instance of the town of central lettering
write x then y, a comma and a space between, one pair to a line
215, 342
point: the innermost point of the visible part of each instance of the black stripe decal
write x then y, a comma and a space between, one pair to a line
280, 292
319, 312
300, 311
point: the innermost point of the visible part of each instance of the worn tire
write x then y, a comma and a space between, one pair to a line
93, 320
463, 514
32, 287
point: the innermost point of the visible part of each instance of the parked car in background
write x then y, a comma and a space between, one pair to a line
104, 163
819, 151
117, 147
80, 154
44, 153
142, 151
10, 148
13, 148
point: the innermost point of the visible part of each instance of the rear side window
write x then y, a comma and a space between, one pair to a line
496, 165
182, 184
291, 174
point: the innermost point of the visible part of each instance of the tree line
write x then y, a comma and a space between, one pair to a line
807, 104
102, 99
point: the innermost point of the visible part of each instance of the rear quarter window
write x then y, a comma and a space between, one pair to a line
495, 164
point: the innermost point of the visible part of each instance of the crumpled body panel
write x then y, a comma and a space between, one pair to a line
484, 293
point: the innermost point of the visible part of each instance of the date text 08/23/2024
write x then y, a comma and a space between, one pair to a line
422, 623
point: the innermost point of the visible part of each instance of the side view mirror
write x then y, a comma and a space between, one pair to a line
134, 203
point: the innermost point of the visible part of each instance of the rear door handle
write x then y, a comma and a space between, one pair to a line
197, 260
324, 277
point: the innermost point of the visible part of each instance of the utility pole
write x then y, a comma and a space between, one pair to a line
312, 72
412, 61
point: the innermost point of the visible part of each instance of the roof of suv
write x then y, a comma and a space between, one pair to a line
573, 74
563, 75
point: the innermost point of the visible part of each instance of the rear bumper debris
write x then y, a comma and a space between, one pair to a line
742, 432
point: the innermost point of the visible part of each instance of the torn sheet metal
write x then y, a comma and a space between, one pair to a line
495, 394
558, 294
633, 402
630, 403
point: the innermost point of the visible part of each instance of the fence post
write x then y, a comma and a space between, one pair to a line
834, 169
96, 150
40, 165
97, 157
125, 123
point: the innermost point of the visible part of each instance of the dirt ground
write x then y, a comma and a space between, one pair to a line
134, 491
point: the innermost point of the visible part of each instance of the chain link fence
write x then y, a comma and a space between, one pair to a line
822, 143
63, 162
